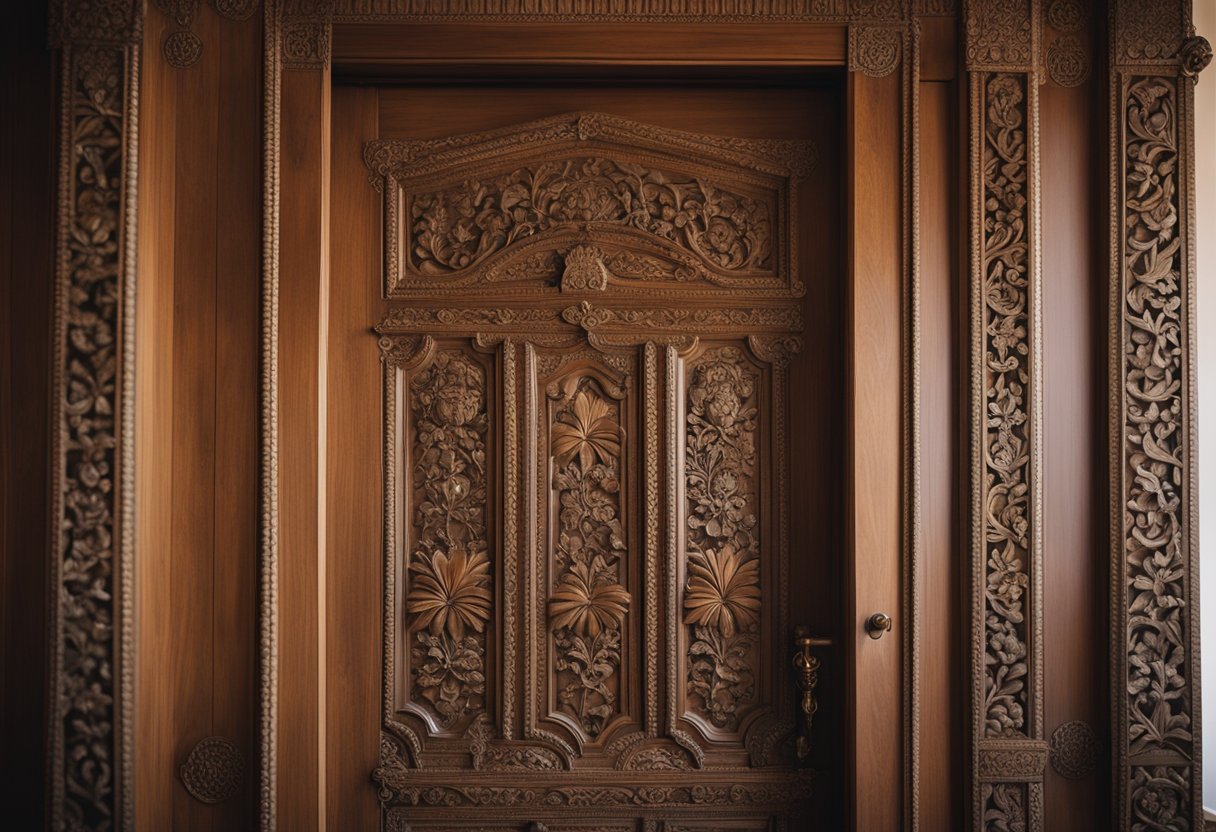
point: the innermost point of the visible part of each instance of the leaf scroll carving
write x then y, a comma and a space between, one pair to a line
449, 602
722, 588
1007, 516
458, 228
588, 603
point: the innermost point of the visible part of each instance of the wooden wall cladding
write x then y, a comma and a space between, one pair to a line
174, 511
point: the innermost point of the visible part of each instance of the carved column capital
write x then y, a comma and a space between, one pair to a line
305, 33
875, 49
1001, 35
78, 22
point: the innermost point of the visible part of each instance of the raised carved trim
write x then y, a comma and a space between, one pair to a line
92, 481
874, 50
1012, 760
1148, 33
213, 771
593, 318
515, 211
635, 11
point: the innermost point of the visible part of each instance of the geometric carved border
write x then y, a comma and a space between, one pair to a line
92, 480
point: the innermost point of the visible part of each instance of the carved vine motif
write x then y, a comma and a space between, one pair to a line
1006, 429
458, 228
587, 604
449, 601
91, 296
722, 590
1154, 475
1161, 799
1005, 807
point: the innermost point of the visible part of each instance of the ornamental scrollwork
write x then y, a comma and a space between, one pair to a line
460, 227
449, 601
722, 589
588, 603
1006, 382
1160, 799
91, 291
1154, 475
1004, 807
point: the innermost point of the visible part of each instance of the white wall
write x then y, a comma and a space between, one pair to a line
1205, 181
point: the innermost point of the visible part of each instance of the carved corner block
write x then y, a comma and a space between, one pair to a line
874, 49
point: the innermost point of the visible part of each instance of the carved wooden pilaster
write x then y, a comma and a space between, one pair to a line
93, 508
1008, 747
1154, 546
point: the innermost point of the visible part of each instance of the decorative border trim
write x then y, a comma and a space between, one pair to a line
1008, 749
268, 550
91, 724
631, 11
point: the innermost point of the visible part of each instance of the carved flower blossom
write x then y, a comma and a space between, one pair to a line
589, 432
723, 591
450, 591
587, 603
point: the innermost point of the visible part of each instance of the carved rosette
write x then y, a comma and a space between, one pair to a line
93, 501
1157, 554
722, 597
449, 596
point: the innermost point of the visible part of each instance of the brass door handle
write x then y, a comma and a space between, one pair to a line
877, 624
806, 667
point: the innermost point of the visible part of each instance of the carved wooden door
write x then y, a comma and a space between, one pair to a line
589, 617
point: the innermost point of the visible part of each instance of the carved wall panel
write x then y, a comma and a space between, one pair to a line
92, 664
578, 202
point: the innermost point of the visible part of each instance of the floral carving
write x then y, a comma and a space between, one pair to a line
722, 588
1004, 807
1006, 442
588, 604
449, 601
1160, 800
458, 228
90, 293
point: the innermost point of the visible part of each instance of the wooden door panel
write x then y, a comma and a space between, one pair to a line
588, 329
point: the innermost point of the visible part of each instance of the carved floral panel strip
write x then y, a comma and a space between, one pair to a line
450, 598
1006, 378
587, 601
90, 297
1156, 548
722, 586
458, 228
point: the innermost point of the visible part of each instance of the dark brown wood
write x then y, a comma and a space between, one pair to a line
27, 187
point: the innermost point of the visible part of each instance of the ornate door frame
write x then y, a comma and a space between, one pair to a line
1153, 61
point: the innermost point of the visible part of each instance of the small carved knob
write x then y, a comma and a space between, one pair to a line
878, 624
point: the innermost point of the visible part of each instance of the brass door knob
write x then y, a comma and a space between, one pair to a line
806, 667
878, 624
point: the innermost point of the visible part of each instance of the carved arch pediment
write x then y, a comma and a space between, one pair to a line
588, 203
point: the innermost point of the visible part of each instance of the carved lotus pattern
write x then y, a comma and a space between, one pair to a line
450, 593
588, 603
722, 596
723, 592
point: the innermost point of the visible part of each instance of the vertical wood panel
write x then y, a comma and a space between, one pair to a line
237, 51
192, 580
875, 384
355, 500
302, 294
154, 730
941, 694
27, 186
1074, 466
